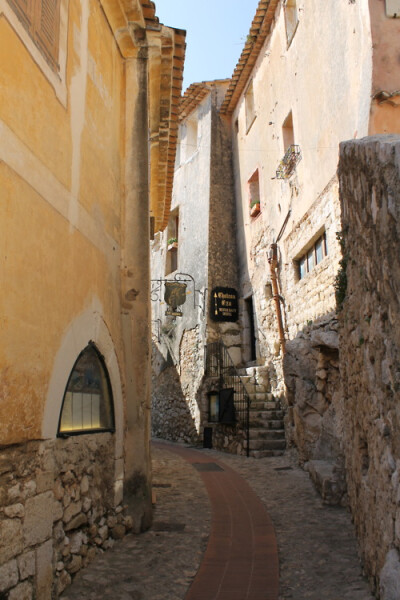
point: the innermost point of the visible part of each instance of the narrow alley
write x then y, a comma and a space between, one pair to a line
199, 318
317, 547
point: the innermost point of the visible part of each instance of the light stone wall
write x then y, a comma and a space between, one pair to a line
57, 510
369, 174
330, 101
203, 194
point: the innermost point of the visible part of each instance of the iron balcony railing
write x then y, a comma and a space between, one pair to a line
288, 163
219, 365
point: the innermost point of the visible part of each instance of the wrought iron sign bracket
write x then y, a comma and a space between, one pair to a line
199, 296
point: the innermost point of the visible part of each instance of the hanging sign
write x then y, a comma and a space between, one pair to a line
174, 296
224, 304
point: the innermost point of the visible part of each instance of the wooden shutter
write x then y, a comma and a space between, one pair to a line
24, 9
47, 27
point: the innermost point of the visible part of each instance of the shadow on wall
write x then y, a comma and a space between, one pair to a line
311, 373
314, 420
171, 417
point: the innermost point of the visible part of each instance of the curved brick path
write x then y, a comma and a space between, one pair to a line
316, 543
241, 560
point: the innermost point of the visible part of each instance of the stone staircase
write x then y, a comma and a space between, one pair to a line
267, 433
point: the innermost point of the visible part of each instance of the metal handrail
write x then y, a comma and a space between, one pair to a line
219, 365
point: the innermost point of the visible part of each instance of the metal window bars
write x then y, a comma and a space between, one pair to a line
219, 365
289, 161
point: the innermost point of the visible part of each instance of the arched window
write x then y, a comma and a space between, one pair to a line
87, 404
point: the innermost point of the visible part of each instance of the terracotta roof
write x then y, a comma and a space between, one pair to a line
172, 62
259, 30
194, 94
192, 97
149, 14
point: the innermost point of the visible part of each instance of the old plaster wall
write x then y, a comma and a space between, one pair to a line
203, 194
327, 106
369, 173
175, 404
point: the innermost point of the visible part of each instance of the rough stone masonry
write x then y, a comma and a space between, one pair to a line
369, 282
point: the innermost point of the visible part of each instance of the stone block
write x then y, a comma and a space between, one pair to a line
75, 565
11, 539
15, 510
63, 581
118, 532
44, 570
390, 577
26, 565
38, 522
44, 481
29, 489
76, 522
85, 484
23, 591
76, 542
72, 509
57, 511
8, 575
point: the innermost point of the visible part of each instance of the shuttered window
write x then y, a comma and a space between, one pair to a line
41, 18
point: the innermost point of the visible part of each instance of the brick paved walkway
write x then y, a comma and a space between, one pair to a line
241, 560
316, 544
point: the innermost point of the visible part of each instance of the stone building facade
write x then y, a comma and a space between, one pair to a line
82, 84
288, 109
196, 248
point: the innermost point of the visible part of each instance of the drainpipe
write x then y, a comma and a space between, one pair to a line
273, 265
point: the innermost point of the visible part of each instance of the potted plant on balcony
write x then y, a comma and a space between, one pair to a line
255, 208
172, 243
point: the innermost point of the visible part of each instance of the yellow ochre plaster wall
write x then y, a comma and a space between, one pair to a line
60, 209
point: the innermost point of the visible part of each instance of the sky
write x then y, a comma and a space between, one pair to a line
216, 32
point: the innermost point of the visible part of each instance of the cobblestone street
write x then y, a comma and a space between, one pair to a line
317, 548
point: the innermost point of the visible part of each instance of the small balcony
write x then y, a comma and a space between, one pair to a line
289, 162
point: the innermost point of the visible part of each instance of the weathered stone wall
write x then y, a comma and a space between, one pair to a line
369, 174
175, 389
57, 507
307, 383
203, 194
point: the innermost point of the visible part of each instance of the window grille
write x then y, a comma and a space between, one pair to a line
289, 162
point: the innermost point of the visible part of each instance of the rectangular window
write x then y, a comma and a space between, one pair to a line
249, 106
254, 194
41, 18
313, 256
291, 19
171, 264
288, 132
393, 9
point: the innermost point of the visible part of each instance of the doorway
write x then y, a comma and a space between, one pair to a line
251, 353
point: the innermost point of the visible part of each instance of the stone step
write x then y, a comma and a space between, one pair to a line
266, 415
265, 453
257, 422
266, 405
267, 444
267, 434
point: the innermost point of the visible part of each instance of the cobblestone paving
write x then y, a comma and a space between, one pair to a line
159, 564
317, 547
